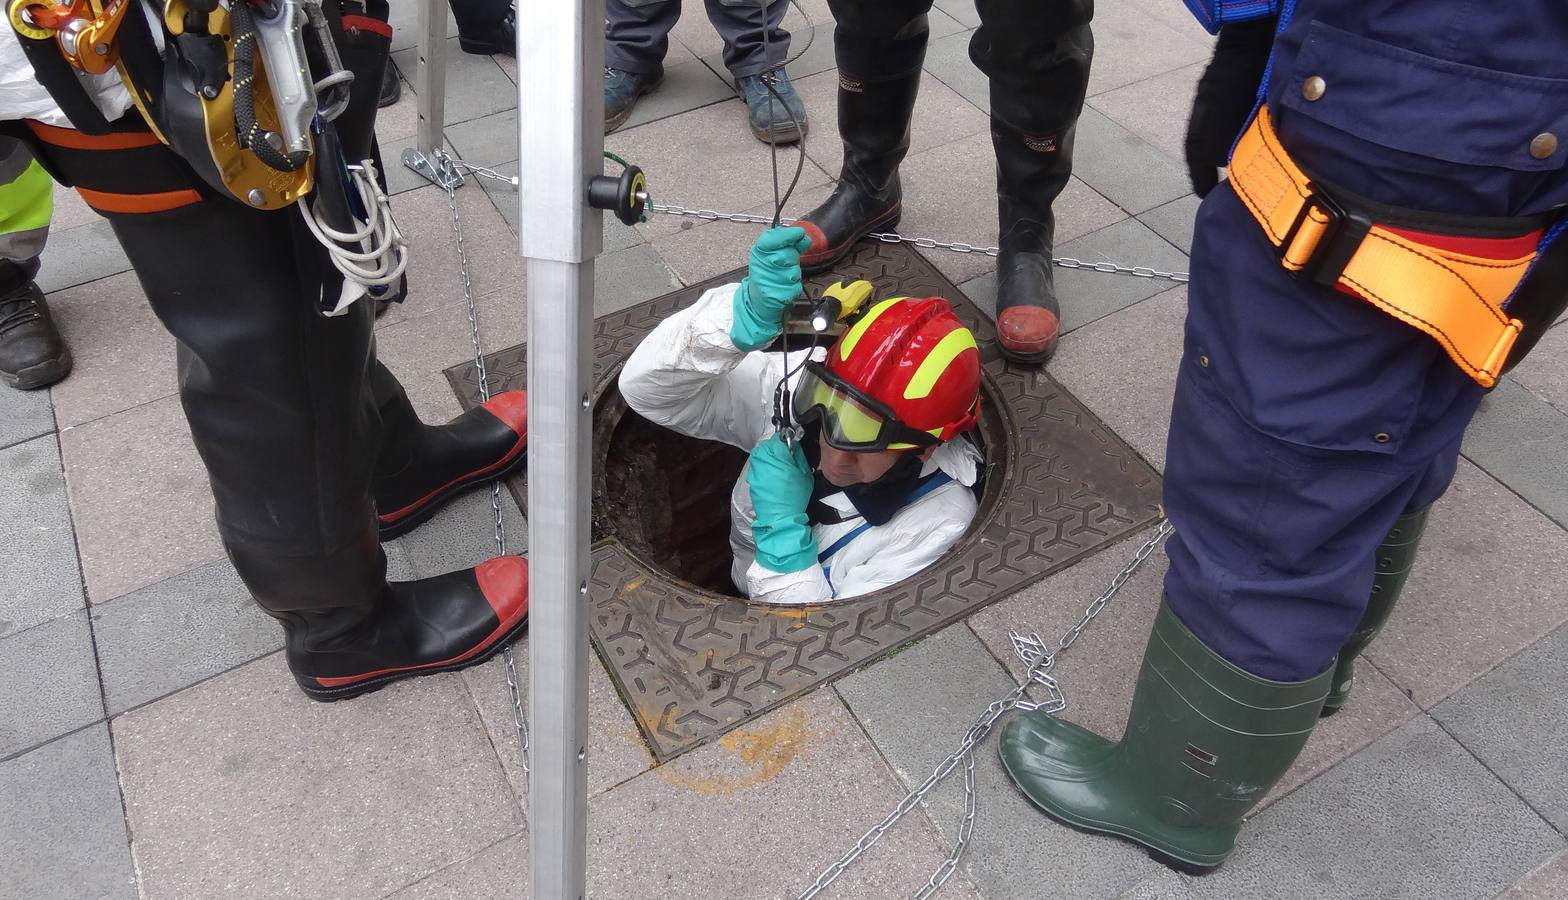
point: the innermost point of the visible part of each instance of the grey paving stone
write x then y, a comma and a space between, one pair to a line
915, 729
1086, 295
1487, 584
1124, 368
1545, 371
941, 117
40, 579
1166, 886
170, 635
500, 870
62, 833
628, 277
1523, 442
123, 356
24, 415
759, 814
948, 59
1548, 882
1174, 221
1124, 167
399, 119
434, 277
241, 783
1412, 816
728, 170
70, 210
961, 11
487, 141
1156, 109
616, 752
1131, 46
140, 498
404, 19
475, 85
78, 255
462, 535
687, 85
1515, 720
51, 683
430, 342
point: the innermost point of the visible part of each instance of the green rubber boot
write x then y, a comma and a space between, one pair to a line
1205, 741
1395, 558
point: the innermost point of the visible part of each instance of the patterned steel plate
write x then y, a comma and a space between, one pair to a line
693, 663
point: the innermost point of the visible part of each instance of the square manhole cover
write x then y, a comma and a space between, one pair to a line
693, 662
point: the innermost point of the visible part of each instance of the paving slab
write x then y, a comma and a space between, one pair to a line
40, 580
1174, 221
462, 534
404, 19
1130, 46
1155, 109
172, 634
1515, 720
1087, 295
1127, 169
123, 356
961, 11
434, 278
24, 415
487, 141
140, 498
948, 59
241, 783
1545, 371
941, 116
1412, 816
426, 342
475, 85
803, 780
1548, 882
62, 832
687, 85
1167, 886
1124, 368
78, 255
51, 683
1522, 440
70, 210
702, 250
500, 870
401, 118
1014, 845
1487, 584
616, 752
728, 170
628, 277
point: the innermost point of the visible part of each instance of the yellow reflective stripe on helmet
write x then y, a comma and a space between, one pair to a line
936, 362
846, 344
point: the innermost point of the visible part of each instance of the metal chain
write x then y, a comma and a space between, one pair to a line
1040, 659
443, 159
891, 237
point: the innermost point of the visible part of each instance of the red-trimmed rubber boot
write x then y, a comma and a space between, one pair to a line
873, 120
348, 631
420, 467
1030, 172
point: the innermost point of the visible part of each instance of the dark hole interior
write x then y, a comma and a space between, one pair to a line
666, 497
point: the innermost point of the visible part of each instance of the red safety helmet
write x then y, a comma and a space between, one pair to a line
905, 376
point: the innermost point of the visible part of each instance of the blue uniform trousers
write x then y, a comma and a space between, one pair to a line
637, 33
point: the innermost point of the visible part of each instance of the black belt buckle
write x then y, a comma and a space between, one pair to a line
1343, 235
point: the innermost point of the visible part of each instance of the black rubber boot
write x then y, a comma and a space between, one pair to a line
32, 353
420, 467
877, 84
1031, 171
1396, 556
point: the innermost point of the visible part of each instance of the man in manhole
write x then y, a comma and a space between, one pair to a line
862, 471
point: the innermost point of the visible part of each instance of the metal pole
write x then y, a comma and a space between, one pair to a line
430, 77
561, 136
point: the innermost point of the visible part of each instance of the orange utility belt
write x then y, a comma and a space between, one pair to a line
1450, 286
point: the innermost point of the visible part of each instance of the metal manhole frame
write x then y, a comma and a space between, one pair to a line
679, 705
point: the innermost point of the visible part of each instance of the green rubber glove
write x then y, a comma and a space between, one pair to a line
771, 284
780, 489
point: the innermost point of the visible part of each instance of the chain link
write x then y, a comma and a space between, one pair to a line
443, 159
1040, 659
891, 237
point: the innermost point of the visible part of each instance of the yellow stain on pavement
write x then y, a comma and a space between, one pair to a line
760, 754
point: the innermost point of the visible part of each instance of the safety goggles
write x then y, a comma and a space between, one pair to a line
851, 420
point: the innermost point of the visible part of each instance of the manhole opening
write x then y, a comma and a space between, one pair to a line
666, 497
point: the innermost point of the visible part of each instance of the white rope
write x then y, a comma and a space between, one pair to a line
373, 256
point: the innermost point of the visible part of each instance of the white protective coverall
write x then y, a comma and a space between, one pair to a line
689, 376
